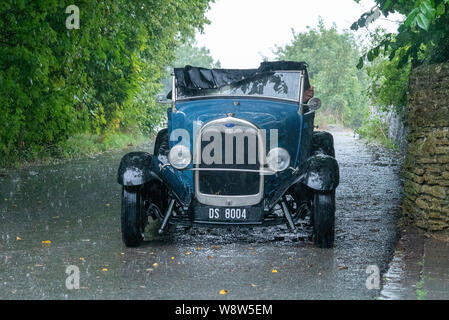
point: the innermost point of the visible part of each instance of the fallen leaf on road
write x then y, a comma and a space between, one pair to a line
210, 257
18, 238
223, 291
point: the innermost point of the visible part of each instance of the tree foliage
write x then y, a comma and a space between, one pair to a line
188, 53
332, 59
422, 37
388, 82
102, 77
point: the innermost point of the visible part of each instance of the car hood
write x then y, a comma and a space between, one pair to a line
266, 114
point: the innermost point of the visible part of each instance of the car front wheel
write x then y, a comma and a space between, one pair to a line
133, 216
323, 217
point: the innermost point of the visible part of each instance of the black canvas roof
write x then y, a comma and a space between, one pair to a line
192, 78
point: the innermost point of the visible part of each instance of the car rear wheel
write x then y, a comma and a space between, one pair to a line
323, 217
133, 217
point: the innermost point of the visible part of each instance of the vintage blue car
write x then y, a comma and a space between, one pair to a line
240, 150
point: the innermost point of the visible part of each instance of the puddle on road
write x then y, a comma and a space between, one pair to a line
393, 279
231, 235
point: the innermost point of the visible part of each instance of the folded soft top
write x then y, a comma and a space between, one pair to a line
190, 78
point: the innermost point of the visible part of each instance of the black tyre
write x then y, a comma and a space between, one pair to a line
134, 217
323, 142
323, 217
161, 143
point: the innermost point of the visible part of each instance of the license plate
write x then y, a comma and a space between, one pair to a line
228, 214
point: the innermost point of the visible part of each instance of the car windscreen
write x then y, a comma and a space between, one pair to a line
281, 85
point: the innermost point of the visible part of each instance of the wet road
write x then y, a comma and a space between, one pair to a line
69, 214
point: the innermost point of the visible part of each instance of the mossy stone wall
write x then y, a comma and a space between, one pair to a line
426, 168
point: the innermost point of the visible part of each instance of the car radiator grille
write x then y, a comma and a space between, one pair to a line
235, 181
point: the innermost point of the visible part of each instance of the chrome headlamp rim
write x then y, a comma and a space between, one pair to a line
314, 104
273, 162
179, 157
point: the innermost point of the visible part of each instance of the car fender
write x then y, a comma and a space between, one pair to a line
135, 169
138, 168
321, 173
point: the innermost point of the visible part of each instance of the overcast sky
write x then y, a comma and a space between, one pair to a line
241, 31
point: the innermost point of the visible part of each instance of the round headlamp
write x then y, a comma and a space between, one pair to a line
179, 157
314, 104
278, 159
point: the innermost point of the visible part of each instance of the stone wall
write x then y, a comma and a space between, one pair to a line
426, 167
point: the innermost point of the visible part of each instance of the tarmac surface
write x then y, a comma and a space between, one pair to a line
68, 214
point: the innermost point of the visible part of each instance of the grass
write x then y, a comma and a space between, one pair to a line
78, 146
324, 119
421, 293
374, 130
85, 145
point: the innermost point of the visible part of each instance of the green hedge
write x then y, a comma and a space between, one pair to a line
57, 82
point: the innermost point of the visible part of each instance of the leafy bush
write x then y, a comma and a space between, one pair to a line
374, 129
332, 59
422, 37
98, 79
